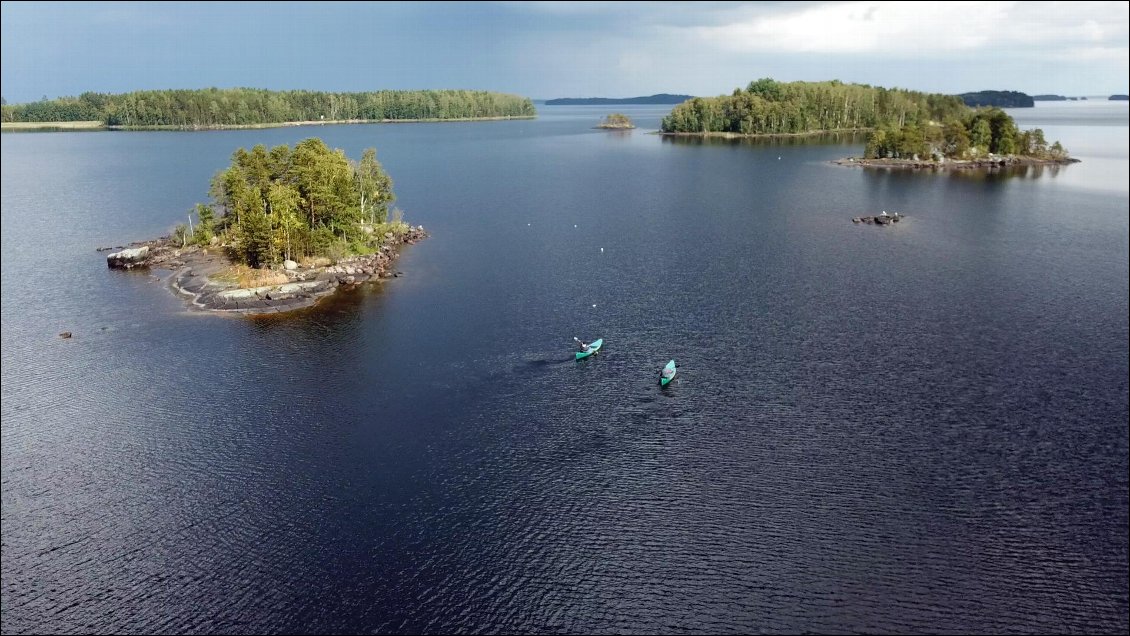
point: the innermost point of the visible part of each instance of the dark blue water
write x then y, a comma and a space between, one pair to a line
916, 428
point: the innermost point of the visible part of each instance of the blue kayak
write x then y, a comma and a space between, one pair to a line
594, 346
667, 374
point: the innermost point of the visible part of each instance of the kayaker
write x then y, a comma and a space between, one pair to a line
584, 347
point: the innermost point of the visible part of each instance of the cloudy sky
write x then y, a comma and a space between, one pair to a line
557, 49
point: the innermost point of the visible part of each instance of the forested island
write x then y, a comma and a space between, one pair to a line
981, 138
215, 108
907, 127
1000, 99
660, 98
285, 226
768, 107
1119, 98
617, 121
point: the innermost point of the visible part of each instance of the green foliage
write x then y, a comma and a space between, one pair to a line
209, 108
617, 120
770, 107
205, 227
907, 142
374, 186
986, 130
283, 204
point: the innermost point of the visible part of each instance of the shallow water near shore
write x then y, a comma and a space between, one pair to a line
920, 427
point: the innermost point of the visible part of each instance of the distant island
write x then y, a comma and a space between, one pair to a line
286, 227
1119, 98
617, 121
214, 108
1049, 98
661, 98
1000, 99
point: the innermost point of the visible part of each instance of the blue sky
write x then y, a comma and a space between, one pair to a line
558, 49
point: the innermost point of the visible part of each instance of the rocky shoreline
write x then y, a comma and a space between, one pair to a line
194, 269
989, 163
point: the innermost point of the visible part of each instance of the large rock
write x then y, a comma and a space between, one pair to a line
127, 259
290, 265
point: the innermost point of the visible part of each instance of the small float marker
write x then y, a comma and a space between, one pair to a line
574, 225
594, 304
602, 250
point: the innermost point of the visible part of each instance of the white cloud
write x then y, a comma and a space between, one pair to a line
914, 29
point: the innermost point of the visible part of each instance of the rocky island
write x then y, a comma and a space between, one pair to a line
617, 121
984, 139
285, 229
209, 279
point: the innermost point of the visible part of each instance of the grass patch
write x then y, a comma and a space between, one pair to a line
245, 277
52, 125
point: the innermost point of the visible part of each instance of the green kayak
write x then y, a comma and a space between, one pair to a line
593, 347
667, 374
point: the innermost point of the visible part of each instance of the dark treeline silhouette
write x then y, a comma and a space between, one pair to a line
214, 107
1000, 99
660, 98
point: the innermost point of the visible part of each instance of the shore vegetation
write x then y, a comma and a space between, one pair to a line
248, 107
617, 121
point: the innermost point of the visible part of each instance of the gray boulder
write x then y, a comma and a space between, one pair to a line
128, 259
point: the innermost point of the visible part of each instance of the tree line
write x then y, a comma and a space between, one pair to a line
770, 107
974, 134
214, 107
271, 205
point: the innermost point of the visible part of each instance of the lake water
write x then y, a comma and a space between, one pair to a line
915, 428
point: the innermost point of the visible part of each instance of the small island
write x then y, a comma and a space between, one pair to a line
286, 227
617, 121
984, 138
1118, 98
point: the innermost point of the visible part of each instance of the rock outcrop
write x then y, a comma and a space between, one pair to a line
194, 269
128, 258
879, 219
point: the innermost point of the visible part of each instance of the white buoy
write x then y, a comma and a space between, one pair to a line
602, 250
574, 225
778, 157
594, 304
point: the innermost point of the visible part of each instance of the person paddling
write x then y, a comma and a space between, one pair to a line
584, 347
